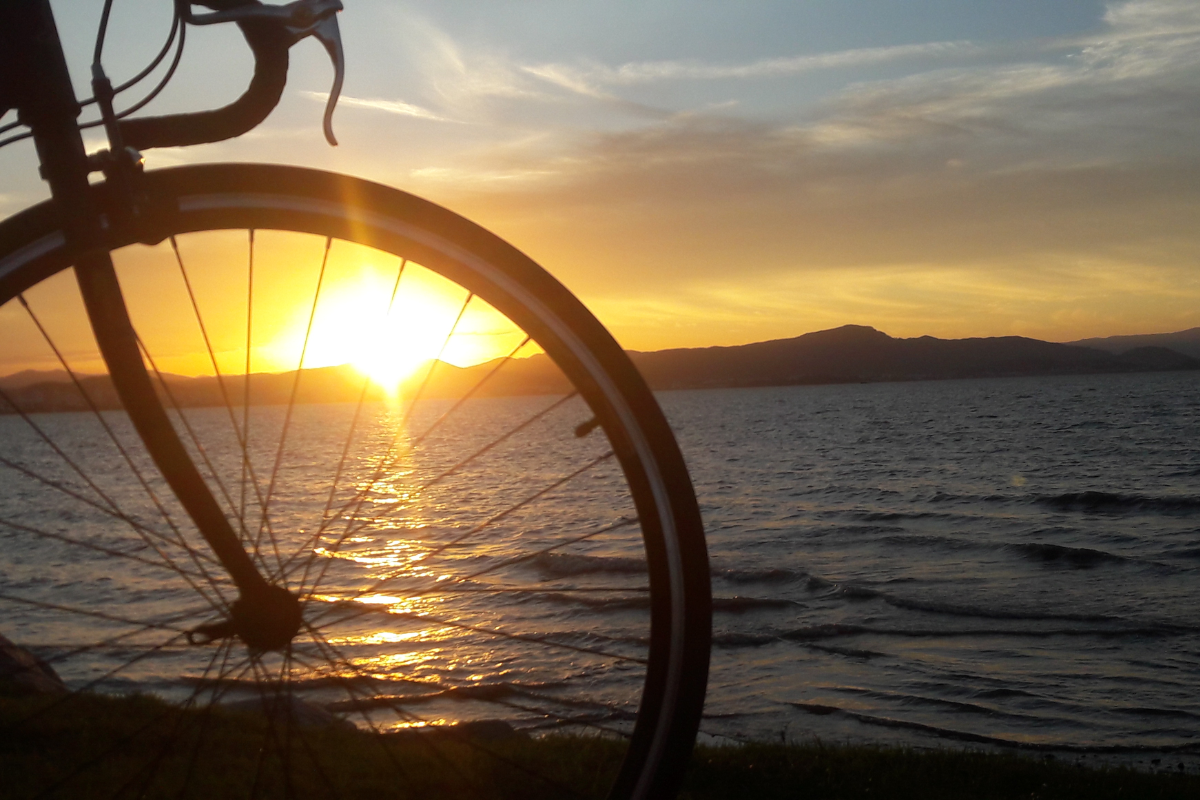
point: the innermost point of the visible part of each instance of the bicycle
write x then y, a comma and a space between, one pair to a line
294, 636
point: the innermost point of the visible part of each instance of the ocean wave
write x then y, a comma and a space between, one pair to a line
499, 691
1078, 557
736, 639
891, 516
1139, 711
767, 575
930, 540
738, 605
937, 702
994, 694
955, 610
949, 497
1040, 552
730, 605
849, 652
951, 734
1184, 473
829, 630
839, 630
853, 592
596, 603
1093, 502
568, 564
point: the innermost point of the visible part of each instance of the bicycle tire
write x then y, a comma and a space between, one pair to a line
209, 200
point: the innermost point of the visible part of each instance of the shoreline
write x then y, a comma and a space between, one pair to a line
40, 747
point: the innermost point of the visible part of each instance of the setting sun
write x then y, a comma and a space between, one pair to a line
387, 329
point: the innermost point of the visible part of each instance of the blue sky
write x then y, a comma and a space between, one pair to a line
712, 173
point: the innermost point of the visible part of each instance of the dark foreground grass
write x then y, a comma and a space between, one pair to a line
99, 747
768, 771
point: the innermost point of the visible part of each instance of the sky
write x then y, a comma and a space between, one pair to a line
713, 173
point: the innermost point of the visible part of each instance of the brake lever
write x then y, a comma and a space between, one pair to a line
327, 32
301, 19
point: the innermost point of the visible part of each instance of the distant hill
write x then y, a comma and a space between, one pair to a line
855, 353
58, 393
29, 377
1186, 342
850, 354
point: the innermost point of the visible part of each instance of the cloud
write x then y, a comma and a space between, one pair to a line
586, 79
993, 181
388, 106
462, 78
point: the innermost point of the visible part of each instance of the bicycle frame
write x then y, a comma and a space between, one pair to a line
265, 617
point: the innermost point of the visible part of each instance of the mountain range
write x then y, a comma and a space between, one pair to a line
849, 354
1185, 342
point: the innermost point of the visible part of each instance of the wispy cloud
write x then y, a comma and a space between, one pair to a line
1072, 158
378, 104
587, 79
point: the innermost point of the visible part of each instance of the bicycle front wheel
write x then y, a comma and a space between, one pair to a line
487, 520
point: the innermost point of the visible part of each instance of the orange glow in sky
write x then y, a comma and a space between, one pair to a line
361, 316
952, 170
358, 323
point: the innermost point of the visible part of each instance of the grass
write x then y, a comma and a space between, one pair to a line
96, 747
767, 771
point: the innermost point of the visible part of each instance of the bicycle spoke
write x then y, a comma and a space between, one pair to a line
502, 634
112, 507
227, 648
84, 612
246, 378
87, 398
378, 738
468, 741
530, 590
241, 434
102, 509
358, 501
486, 523
271, 709
287, 417
289, 722
146, 627
470, 693
262, 749
461, 464
315, 760
151, 769
337, 474
87, 687
437, 589
623, 523
385, 463
108, 551
332, 656
470, 392
125, 455
200, 449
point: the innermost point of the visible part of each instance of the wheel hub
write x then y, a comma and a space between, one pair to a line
268, 619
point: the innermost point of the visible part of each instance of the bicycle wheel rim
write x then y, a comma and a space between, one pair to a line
189, 200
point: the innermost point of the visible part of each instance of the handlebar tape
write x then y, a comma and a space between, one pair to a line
269, 42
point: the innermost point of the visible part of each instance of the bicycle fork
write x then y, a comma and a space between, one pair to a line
265, 617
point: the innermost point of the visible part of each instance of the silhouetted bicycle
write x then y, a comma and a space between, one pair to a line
327, 590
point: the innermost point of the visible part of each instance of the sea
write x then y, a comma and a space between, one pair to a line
1004, 564
1008, 563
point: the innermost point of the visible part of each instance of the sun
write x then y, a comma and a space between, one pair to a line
389, 337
